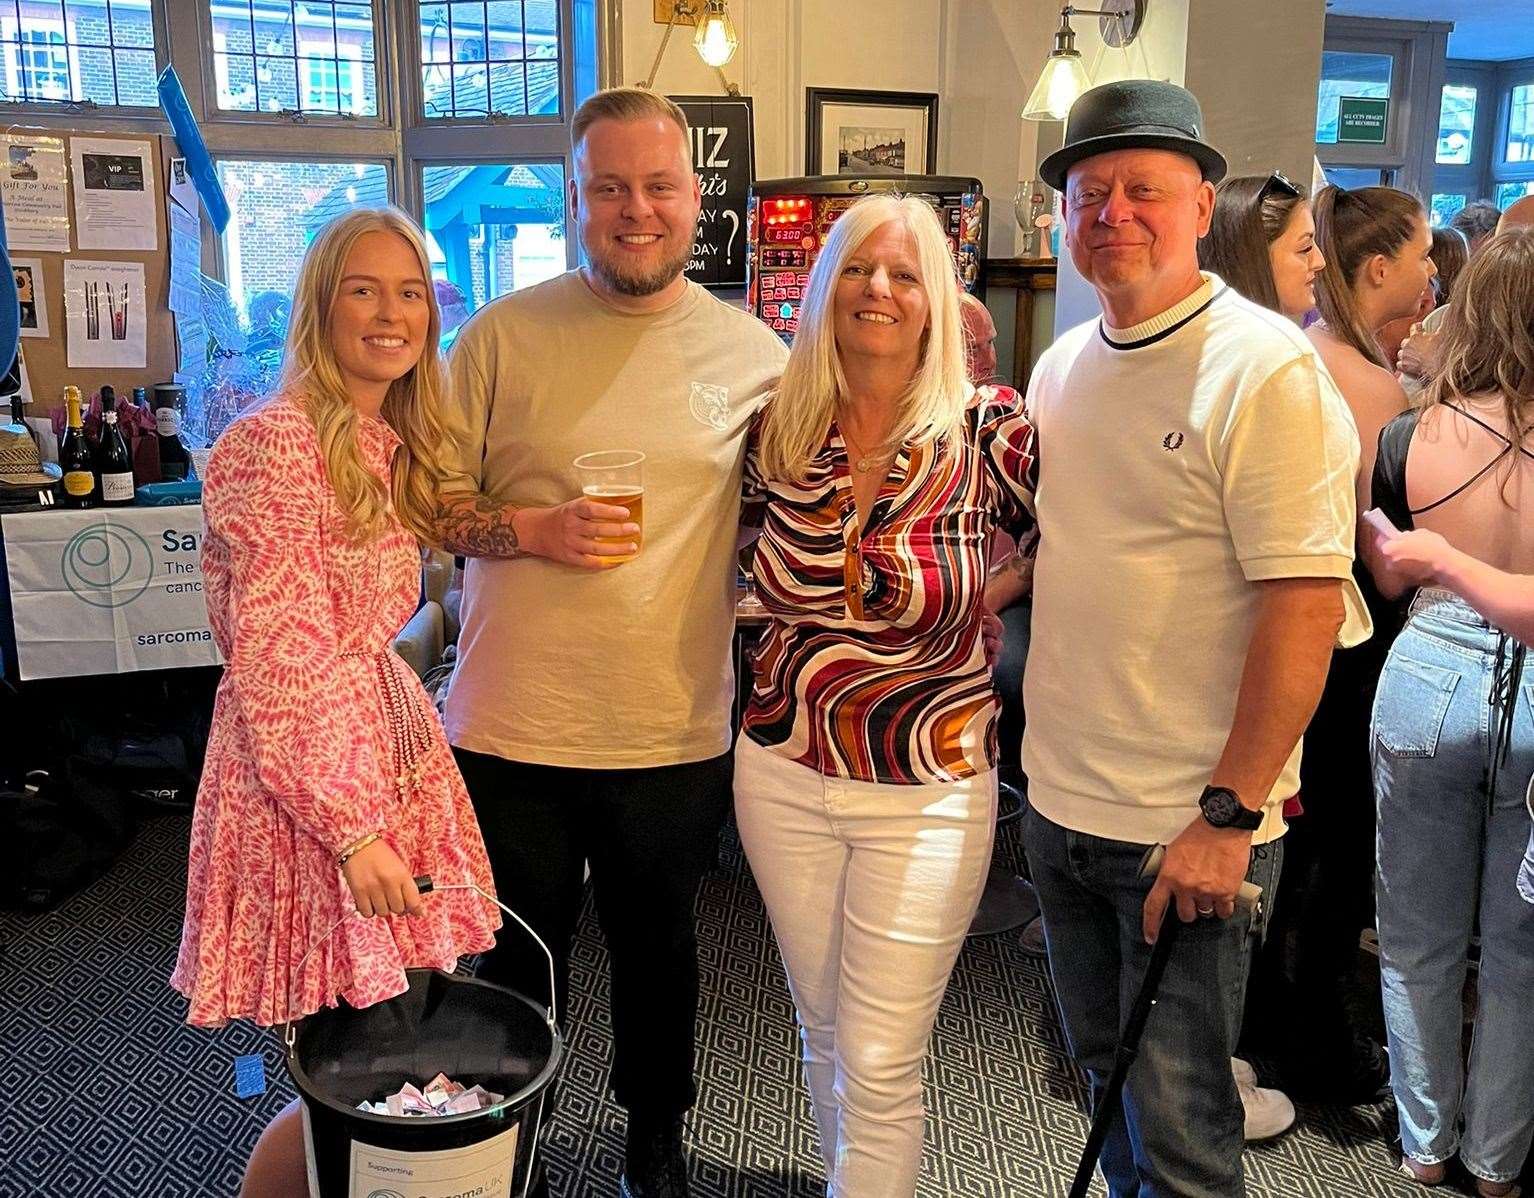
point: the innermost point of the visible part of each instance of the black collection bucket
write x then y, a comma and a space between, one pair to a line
475, 1033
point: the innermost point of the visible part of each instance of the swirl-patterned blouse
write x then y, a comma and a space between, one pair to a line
873, 666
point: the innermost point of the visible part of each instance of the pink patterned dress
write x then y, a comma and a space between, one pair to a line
320, 736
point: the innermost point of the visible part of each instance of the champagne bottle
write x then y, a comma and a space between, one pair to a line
114, 468
175, 462
75, 457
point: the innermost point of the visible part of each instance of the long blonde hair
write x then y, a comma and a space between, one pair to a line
813, 383
413, 407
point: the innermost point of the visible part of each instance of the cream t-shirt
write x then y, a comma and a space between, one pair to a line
1180, 462
629, 666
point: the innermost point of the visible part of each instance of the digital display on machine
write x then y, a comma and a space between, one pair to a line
788, 220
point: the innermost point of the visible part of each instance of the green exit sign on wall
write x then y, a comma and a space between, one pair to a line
1361, 120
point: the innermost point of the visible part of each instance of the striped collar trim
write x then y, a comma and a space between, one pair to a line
1164, 324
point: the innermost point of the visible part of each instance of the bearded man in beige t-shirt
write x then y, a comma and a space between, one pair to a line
590, 708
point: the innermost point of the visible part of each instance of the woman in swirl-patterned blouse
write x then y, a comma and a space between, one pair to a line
865, 782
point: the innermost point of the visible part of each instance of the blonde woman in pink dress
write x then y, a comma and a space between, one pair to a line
328, 785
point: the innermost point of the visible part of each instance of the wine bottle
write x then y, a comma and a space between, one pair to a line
114, 468
75, 457
175, 462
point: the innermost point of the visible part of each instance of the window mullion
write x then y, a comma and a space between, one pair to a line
289, 140
185, 32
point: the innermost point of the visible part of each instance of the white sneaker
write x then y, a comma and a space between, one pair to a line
1269, 1113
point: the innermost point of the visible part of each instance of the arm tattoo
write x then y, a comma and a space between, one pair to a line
1020, 565
474, 526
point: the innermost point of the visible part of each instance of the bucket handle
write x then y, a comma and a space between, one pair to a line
425, 885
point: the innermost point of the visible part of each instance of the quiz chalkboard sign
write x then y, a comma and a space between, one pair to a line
724, 156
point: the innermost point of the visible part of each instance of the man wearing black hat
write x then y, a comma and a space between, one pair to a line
1196, 516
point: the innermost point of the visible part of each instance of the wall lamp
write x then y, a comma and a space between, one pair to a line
715, 40
1065, 77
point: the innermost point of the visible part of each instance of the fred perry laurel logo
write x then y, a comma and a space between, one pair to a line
1172, 442
710, 405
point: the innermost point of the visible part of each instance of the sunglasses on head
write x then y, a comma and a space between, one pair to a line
1279, 182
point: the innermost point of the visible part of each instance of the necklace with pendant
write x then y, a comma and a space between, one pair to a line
864, 462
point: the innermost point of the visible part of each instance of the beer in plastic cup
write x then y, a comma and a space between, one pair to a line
615, 477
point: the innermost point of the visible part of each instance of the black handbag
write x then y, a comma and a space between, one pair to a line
59, 833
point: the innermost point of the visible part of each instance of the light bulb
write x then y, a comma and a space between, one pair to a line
1061, 83
716, 40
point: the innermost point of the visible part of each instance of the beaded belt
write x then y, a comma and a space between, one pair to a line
409, 728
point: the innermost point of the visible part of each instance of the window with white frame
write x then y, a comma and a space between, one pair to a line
100, 52
304, 56
1485, 136
493, 208
484, 58
44, 65
482, 165
1520, 125
330, 83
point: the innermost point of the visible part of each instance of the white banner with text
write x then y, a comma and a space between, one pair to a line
107, 591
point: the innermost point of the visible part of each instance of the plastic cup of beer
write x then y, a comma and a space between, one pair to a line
615, 477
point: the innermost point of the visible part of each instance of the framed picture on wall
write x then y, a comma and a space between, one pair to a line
852, 132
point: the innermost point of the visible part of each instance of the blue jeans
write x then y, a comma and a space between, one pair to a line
1448, 855
1016, 622
1180, 1134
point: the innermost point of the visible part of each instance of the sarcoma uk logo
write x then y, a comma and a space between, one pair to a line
107, 566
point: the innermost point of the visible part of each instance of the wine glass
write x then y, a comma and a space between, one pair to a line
1028, 205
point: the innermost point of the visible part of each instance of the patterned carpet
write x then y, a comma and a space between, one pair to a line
107, 1094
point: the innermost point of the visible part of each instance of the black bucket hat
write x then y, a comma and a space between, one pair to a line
1133, 114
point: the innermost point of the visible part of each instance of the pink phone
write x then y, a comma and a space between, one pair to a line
1381, 524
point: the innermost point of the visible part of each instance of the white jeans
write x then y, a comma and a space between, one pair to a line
871, 889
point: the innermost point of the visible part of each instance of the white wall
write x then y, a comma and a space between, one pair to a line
1260, 108
789, 45
1165, 39
982, 58
992, 53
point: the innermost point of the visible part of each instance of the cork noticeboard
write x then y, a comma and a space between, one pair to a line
47, 358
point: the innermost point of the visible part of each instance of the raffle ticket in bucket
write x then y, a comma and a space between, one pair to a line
469, 1151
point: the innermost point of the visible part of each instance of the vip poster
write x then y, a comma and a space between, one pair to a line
33, 183
116, 200
105, 314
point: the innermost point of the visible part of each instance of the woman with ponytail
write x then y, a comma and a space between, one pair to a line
328, 784
1378, 248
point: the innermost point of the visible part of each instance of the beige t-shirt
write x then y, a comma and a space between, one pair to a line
628, 666
1180, 463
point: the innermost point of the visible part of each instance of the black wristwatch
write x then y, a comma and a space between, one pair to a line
1222, 809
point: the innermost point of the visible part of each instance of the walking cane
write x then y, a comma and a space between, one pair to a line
1248, 899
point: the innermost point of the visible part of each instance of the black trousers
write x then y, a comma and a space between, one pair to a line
1307, 985
649, 835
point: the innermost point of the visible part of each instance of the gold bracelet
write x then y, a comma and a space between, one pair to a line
348, 853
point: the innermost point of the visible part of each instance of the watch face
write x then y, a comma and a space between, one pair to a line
1221, 807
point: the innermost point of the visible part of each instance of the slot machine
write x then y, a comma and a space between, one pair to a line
787, 221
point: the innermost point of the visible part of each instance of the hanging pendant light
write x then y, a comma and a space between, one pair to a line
716, 40
1065, 76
